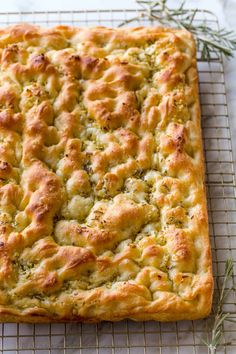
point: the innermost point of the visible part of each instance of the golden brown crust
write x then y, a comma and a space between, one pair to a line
102, 199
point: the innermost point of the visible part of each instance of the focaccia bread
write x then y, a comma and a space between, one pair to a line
102, 199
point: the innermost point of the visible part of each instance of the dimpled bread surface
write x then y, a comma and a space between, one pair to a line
102, 198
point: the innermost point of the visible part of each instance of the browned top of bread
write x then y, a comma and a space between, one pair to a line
102, 200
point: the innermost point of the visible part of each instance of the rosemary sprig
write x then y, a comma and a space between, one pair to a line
216, 321
209, 40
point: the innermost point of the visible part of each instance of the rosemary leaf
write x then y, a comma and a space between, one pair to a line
216, 321
210, 41
230, 320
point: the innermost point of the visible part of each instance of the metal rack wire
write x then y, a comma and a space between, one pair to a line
128, 337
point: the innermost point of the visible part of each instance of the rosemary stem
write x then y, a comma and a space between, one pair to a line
212, 350
131, 20
211, 40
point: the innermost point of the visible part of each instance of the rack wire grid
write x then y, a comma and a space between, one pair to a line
128, 337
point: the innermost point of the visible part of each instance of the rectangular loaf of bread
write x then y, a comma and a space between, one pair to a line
102, 199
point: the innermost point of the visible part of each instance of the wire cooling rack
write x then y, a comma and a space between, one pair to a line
129, 337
